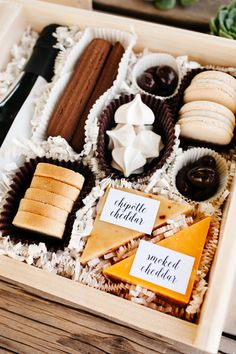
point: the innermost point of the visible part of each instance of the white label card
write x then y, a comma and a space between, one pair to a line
130, 210
162, 266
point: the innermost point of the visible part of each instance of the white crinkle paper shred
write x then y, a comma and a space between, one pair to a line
66, 262
20, 53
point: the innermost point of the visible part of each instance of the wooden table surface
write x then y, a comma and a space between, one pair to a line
192, 17
33, 325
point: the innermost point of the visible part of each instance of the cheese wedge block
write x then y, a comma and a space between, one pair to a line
39, 223
189, 241
106, 237
43, 209
46, 197
57, 187
59, 173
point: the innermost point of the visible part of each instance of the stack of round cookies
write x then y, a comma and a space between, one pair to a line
210, 106
48, 201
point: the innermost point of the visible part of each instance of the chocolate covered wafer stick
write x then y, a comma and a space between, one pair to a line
80, 87
104, 82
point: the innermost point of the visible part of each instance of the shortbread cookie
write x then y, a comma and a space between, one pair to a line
39, 223
59, 173
46, 197
50, 211
56, 187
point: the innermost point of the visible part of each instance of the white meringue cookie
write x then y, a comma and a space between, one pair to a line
110, 144
148, 143
128, 159
139, 128
134, 112
121, 136
117, 167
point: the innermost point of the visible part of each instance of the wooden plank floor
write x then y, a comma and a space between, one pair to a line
193, 17
33, 325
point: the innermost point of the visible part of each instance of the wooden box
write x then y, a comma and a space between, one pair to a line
205, 335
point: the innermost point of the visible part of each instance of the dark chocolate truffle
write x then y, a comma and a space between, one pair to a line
198, 180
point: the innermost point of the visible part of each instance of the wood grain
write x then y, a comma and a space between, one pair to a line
192, 17
155, 37
82, 4
30, 324
116, 309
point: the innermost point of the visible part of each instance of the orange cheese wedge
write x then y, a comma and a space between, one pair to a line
189, 241
106, 237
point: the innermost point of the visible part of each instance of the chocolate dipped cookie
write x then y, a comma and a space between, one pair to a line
94, 73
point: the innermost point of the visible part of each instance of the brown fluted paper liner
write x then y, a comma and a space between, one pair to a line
163, 125
20, 183
176, 101
192, 155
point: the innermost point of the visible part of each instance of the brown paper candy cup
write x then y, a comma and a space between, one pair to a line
192, 155
163, 125
20, 183
176, 102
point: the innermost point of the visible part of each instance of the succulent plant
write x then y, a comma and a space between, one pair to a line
224, 24
165, 4
188, 2
169, 4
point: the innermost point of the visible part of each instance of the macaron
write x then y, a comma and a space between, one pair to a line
213, 107
206, 121
211, 117
213, 86
217, 75
203, 131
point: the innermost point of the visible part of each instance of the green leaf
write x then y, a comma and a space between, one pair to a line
233, 29
225, 34
222, 16
224, 24
188, 2
232, 17
214, 26
232, 5
229, 23
232, 13
165, 4
232, 34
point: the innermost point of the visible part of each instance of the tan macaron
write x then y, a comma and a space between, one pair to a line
209, 110
200, 130
206, 121
211, 107
217, 75
213, 86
